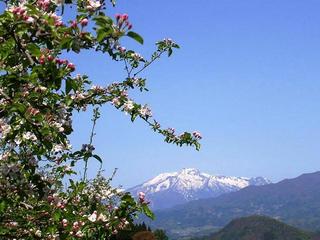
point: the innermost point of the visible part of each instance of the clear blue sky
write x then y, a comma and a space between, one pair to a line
246, 76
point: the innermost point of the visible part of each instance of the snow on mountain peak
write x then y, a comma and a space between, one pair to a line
190, 171
168, 189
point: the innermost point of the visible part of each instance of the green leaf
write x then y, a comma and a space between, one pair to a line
3, 206
103, 20
97, 157
57, 215
198, 146
101, 34
66, 43
68, 85
147, 211
127, 198
34, 49
135, 36
18, 107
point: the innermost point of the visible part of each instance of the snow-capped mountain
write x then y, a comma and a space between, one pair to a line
170, 189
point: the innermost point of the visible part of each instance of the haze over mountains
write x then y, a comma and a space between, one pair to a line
293, 201
169, 189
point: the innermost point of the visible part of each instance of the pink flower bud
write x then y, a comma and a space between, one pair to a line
197, 135
60, 205
50, 198
50, 58
84, 22
59, 61
118, 16
42, 59
16, 10
125, 17
22, 11
129, 26
58, 23
73, 24
64, 222
71, 66
142, 196
30, 20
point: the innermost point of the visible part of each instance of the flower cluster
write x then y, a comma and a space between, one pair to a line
39, 93
123, 22
93, 5
21, 13
47, 58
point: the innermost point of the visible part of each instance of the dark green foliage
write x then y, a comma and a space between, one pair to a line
127, 234
160, 234
260, 228
136, 228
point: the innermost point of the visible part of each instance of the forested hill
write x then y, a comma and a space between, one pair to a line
261, 228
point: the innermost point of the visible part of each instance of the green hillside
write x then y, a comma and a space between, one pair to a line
260, 228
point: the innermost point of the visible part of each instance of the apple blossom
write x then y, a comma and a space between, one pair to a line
93, 217
197, 135
38, 233
39, 95
128, 106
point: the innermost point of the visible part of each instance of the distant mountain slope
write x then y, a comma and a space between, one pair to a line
169, 189
260, 228
294, 201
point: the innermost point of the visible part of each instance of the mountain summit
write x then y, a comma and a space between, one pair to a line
170, 189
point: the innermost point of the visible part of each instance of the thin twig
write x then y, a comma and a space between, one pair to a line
92, 134
149, 63
21, 48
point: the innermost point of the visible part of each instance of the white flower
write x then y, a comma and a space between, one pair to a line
29, 136
4, 129
58, 148
4, 156
13, 224
93, 5
116, 101
58, 126
93, 217
79, 234
30, 20
67, 168
136, 56
37, 233
96, 88
102, 218
128, 106
18, 141
145, 111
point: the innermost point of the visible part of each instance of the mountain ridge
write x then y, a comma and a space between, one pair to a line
293, 201
169, 189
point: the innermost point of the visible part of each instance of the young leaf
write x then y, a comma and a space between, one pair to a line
34, 49
147, 211
97, 157
135, 36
